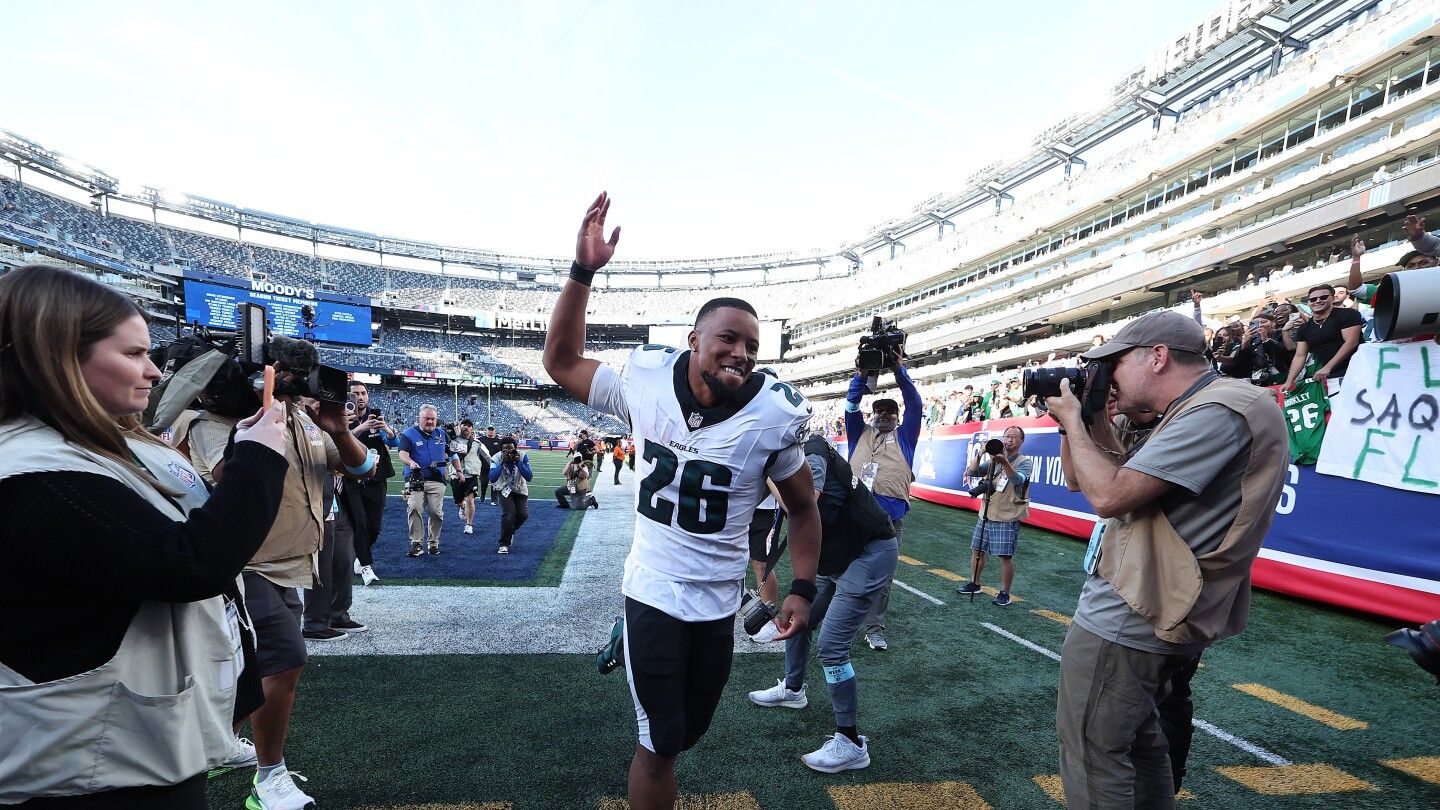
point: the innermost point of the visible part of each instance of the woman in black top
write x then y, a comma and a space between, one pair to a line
80, 552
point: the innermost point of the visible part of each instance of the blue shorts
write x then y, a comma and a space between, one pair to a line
998, 538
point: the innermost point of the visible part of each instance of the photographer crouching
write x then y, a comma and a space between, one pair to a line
1169, 572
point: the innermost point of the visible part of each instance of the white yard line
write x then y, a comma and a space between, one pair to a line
1214, 731
927, 597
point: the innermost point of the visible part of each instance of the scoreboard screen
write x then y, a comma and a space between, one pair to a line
214, 305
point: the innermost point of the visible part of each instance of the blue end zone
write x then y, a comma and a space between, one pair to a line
471, 559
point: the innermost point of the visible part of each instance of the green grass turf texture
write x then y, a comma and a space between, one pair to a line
949, 701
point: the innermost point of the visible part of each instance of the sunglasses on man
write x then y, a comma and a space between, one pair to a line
1317, 299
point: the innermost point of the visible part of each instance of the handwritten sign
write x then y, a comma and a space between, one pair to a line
1385, 424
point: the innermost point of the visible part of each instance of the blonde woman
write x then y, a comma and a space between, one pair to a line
120, 599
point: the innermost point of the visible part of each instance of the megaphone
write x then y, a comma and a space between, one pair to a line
1408, 303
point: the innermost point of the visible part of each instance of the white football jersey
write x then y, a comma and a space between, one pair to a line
702, 474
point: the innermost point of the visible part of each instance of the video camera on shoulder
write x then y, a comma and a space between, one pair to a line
879, 350
298, 360
1089, 383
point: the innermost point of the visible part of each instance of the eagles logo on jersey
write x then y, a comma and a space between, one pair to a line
702, 475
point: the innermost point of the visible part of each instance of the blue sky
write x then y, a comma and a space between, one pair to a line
719, 128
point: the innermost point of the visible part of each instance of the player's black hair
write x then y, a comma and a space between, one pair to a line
724, 303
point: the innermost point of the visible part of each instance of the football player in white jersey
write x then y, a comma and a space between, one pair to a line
708, 431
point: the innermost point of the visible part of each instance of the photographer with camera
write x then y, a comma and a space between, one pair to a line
425, 451
859, 548
124, 617
1185, 513
1258, 357
511, 477
474, 462
369, 426
1006, 494
882, 453
315, 449
576, 474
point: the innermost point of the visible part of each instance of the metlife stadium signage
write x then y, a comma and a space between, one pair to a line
212, 300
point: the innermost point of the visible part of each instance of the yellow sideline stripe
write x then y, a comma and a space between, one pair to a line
716, 801
953, 577
1056, 790
1052, 615
911, 560
1319, 714
1292, 780
1426, 768
908, 796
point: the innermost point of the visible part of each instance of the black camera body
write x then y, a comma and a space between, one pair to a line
1089, 383
755, 612
993, 448
879, 350
305, 376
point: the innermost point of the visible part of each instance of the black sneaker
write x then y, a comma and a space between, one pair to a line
434, 550
415, 551
349, 626
969, 587
1001, 599
328, 634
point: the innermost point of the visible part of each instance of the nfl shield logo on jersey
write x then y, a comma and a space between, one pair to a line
694, 420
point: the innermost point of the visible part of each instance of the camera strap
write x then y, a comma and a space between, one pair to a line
774, 556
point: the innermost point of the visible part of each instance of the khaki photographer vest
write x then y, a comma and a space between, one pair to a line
156, 713
893, 474
1011, 504
1191, 598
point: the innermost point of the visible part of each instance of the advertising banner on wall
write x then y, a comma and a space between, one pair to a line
1335, 540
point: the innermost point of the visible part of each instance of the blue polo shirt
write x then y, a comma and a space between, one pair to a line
427, 450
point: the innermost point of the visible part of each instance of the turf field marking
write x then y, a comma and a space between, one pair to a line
911, 560
943, 574
1291, 780
927, 597
1426, 768
1055, 789
716, 801
1319, 714
989, 591
1053, 616
1242, 744
433, 806
907, 795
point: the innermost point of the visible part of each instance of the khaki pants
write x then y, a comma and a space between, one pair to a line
1112, 751
432, 501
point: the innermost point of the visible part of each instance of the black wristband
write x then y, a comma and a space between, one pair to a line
1061, 431
803, 588
581, 274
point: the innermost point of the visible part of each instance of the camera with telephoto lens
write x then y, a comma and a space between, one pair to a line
755, 612
994, 447
1089, 383
879, 350
1422, 644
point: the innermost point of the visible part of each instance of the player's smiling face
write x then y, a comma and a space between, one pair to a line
723, 349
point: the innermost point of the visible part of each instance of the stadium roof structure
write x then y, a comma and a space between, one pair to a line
1244, 36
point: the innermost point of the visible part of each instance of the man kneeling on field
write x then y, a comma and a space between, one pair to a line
858, 554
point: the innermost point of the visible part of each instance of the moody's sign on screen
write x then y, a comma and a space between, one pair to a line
336, 321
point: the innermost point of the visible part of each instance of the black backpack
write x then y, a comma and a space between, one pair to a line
846, 526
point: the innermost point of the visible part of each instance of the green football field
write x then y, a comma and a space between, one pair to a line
1306, 709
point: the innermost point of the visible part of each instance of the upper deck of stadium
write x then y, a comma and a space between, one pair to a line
1234, 148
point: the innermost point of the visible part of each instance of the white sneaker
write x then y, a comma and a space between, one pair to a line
368, 575
358, 566
767, 634
278, 792
242, 755
778, 695
839, 754
469, 529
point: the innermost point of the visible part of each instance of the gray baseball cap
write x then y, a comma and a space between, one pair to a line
1170, 329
